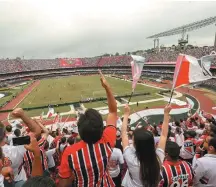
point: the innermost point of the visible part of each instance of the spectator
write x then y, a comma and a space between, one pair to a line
175, 172
85, 163
17, 133
179, 137
39, 181
70, 140
200, 131
15, 154
204, 168
63, 144
9, 134
188, 148
119, 140
142, 162
114, 166
29, 156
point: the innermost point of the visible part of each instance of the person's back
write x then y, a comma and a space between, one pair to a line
89, 161
204, 168
85, 163
188, 149
114, 164
175, 172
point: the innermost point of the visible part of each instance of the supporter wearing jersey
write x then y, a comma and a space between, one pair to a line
16, 153
175, 172
29, 156
85, 163
188, 149
114, 166
205, 167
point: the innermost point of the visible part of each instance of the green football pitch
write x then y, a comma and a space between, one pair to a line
75, 88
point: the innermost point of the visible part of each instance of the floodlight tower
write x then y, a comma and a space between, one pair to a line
183, 30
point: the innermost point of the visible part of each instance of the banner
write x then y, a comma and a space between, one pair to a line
188, 70
136, 68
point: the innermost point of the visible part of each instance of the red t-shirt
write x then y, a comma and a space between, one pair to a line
88, 162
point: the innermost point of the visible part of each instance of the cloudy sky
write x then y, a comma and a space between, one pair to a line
81, 28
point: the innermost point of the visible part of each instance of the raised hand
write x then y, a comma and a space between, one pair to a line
167, 109
104, 83
33, 146
17, 112
127, 110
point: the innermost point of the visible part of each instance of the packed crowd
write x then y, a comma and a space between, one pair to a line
171, 154
171, 55
19, 65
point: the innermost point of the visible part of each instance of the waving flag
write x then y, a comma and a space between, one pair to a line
136, 67
50, 112
188, 70
57, 118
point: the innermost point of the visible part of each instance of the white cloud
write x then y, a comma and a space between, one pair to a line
52, 28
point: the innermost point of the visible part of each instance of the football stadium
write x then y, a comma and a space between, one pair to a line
57, 96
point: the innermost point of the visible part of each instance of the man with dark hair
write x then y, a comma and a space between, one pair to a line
204, 168
17, 133
40, 181
201, 129
188, 148
85, 163
175, 172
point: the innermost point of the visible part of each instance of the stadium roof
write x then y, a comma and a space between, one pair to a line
186, 28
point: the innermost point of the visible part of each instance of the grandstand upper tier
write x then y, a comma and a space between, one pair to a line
166, 56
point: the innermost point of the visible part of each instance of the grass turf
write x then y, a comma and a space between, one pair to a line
75, 88
13, 92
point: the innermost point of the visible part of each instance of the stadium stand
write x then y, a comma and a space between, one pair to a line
52, 154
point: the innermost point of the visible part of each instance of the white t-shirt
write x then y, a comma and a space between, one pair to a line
49, 154
15, 154
62, 147
10, 137
204, 170
156, 139
50, 139
1, 180
134, 167
115, 159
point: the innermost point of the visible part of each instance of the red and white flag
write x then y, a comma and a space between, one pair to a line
57, 118
50, 112
188, 70
136, 67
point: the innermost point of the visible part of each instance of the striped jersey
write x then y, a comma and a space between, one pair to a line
29, 157
88, 162
188, 149
176, 174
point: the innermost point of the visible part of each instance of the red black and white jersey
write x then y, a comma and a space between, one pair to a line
188, 149
88, 162
29, 157
179, 174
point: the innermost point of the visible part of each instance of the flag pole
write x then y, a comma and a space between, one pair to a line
130, 96
171, 95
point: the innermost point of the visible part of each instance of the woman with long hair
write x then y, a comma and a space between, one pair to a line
142, 159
